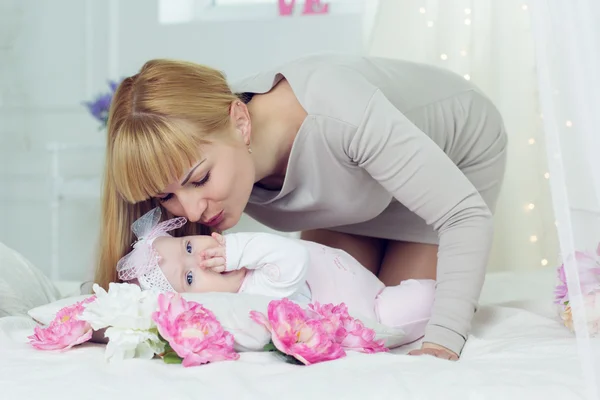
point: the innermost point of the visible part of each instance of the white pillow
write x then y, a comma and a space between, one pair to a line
232, 310
22, 286
44, 314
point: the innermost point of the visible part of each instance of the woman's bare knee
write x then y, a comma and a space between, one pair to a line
367, 251
405, 260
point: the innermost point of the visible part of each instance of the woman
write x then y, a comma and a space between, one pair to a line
399, 164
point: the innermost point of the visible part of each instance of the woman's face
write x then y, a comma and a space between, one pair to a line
216, 189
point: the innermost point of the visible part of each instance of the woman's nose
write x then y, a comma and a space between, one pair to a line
193, 207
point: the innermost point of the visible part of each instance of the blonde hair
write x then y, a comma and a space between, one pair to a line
158, 119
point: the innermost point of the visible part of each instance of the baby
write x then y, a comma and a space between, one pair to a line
271, 265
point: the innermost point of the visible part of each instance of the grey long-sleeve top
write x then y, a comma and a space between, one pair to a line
356, 152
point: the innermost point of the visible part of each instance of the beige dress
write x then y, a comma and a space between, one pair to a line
394, 150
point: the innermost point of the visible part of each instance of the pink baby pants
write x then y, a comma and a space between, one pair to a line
336, 277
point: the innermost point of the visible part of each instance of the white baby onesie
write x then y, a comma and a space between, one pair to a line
305, 272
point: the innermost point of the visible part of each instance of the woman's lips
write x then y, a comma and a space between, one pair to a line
216, 220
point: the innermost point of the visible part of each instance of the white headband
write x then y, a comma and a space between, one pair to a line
142, 263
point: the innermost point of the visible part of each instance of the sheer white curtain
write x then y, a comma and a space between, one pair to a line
567, 44
539, 61
567, 38
489, 42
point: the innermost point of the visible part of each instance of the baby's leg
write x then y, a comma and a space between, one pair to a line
407, 306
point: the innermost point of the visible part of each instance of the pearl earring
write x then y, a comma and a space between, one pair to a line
249, 149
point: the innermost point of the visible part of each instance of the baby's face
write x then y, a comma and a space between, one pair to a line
180, 262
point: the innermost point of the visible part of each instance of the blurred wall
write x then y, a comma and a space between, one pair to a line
55, 54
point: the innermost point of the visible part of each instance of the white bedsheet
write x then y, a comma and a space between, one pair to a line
518, 350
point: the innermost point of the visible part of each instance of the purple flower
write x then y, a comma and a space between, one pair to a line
113, 85
100, 106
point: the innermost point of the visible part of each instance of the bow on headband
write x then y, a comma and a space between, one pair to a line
142, 263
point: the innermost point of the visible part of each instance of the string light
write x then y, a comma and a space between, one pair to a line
444, 57
532, 141
467, 21
533, 238
422, 10
463, 53
544, 262
547, 175
467, 77
569, 124
530, 206
524, 7
429, 24
467, 11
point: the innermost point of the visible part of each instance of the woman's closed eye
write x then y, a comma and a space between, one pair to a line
189, 278
166, 198
202, 181
188, 247
199, 183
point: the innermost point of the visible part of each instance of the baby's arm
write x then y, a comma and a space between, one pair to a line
283, 262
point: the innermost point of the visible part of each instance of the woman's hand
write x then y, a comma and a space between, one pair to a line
214, 257
435, 350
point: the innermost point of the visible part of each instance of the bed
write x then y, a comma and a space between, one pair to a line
518, 350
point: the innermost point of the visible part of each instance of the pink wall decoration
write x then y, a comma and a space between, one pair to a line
311, 7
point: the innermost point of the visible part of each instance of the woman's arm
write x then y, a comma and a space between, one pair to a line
422, 177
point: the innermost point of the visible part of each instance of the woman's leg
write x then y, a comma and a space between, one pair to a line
393, 261
405, 260
367, 251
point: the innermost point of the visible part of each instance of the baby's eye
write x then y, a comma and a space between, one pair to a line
189, 277
188, 247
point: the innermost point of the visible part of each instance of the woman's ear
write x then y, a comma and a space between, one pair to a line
241, 118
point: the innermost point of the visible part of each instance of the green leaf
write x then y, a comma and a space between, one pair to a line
292, 360
567, 303
168, 348
270, 347
172, 358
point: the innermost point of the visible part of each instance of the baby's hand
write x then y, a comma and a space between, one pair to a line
219, 238
214, 258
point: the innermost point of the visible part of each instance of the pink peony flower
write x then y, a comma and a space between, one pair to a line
333, 318
65, 331
360, 338
349, 332
308, 340
588, 268
192, 331
561, 290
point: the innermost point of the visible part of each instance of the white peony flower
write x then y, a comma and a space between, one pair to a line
129, 343
591, 303
592, 311
126, 311
124, 306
